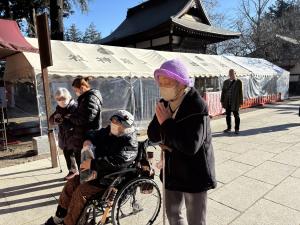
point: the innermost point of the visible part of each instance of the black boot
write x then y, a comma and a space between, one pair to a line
58, 218
61, 212
54, 221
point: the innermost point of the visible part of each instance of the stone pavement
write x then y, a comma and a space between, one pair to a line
258, 175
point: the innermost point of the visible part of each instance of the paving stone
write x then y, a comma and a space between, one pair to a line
218, 214
260, 139
222, 156
296, 131
34, 195
241, 193
23, 167
271, 172
288, 139
287, 193
273, 147
295, 148
230, 170
11, 185
265, 212
232, 138
296, 174
264, 130
288, 157
25, 214
240, 147
218, 145
39, 220
219, 185
254, 157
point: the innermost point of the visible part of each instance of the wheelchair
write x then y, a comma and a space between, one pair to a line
131, 197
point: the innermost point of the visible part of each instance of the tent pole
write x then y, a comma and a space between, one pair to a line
38, 103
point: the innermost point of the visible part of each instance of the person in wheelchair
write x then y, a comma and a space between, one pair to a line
116, 147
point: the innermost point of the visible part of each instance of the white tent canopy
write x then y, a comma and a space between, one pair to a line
72, 59
257, 66
120, 75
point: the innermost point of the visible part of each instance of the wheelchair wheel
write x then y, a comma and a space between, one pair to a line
89, 214
138, 201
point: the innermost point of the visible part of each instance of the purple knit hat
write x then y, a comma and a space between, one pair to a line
174, 69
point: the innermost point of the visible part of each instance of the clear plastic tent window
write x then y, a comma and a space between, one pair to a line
137, 95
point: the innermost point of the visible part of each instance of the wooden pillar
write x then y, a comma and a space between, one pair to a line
46, 60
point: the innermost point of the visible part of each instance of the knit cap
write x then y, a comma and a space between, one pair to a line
174, 69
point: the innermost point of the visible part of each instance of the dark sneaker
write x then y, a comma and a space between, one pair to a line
71, 175
227, 130
237, 132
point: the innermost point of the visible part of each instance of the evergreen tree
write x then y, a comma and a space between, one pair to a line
73, 34
279, 8
21, 10
91, 35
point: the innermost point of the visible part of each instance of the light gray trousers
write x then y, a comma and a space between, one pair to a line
195, 207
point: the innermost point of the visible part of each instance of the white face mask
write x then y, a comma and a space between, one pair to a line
114, 129
168, 94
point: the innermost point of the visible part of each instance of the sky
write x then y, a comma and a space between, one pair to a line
108, 14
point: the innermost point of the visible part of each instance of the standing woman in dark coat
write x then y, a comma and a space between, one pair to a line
87, 116
181, 124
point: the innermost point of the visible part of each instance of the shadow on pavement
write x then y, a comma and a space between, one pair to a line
279, 107
32, 189
33, 198
25, 171
26, 154
261, 130
26, 207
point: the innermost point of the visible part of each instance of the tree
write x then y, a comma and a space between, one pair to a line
254, 11
248, 22
282, 20
60, 9
73, 34
277, 10
5, 9
21, 9
24, 9
91, 34
217, 18
56, 19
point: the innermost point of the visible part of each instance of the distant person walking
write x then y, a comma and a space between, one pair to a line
232, 99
